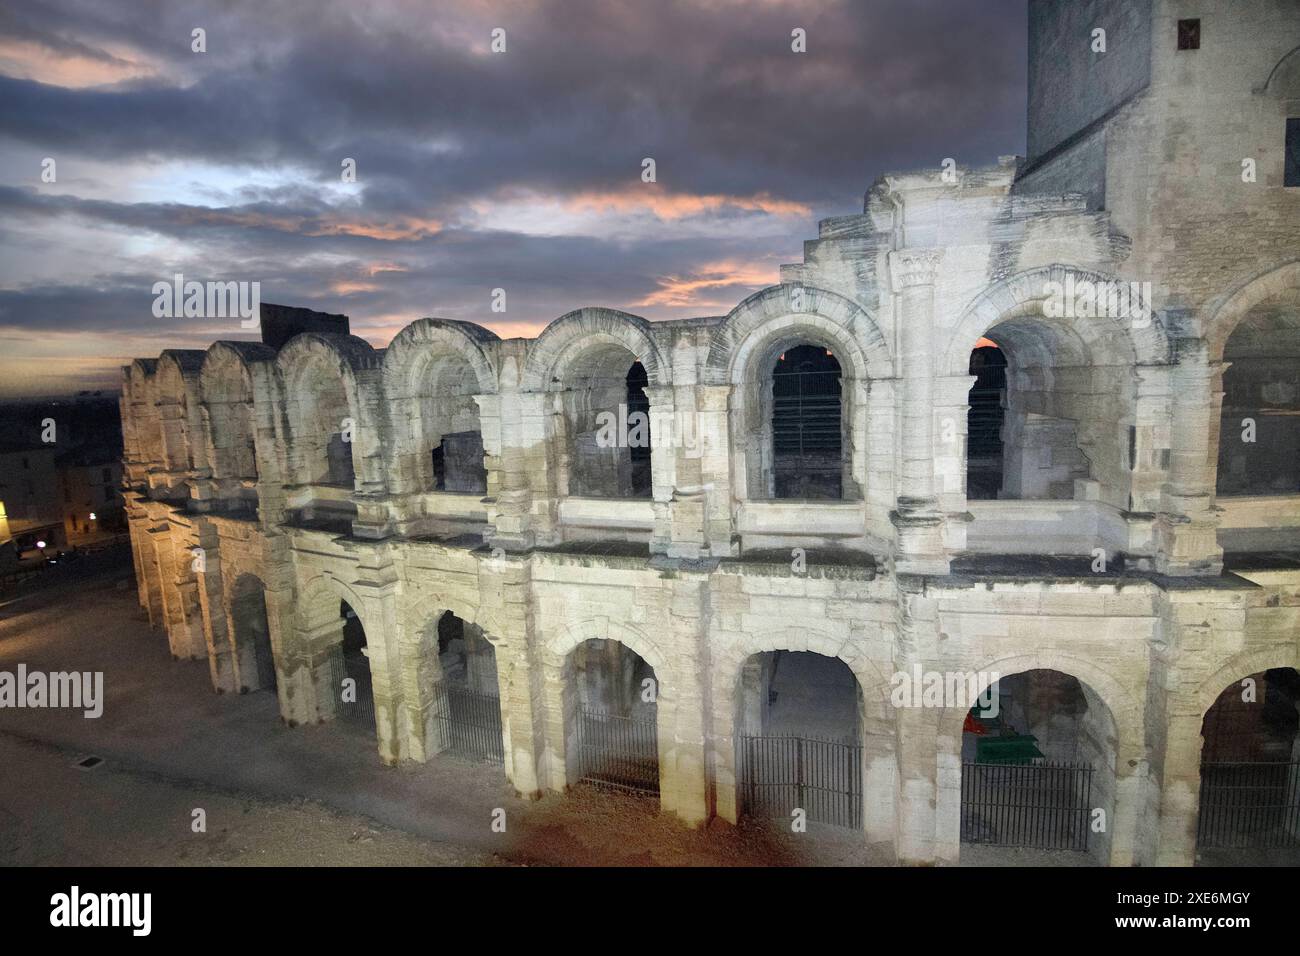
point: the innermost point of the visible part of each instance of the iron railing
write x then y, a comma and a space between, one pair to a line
1045, 804
806, 413
1249, 805
779, 773
470, 722
620, 753
357, 666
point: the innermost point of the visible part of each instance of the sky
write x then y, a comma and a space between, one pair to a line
474, 169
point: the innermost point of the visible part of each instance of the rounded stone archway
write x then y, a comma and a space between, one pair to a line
1085, 716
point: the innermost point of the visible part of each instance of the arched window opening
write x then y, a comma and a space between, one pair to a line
807, 438
1038, 763
1259, 433
984, 421
451, 437
638, 412
1250, 773
322, 429
1046, 416
606, 416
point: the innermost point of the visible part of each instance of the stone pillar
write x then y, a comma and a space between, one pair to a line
377, 587
712, 441
507, 578
525, 510
217, 627
924, 758
1180, 791
951, 422
682, 756
1187, 526
917, 518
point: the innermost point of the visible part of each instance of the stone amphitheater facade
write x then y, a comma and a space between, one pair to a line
1142, 582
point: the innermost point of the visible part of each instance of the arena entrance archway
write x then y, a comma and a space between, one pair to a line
252, 635
355, 701
466, 698
1039, 768
799, 739
611, 718
1250, 772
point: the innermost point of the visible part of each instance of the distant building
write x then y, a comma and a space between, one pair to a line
29, 488
91, 502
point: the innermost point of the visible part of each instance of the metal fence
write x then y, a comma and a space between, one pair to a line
1045, 804
806, 413
356, 666
621, 753
1249, 805
778, 773
470, 722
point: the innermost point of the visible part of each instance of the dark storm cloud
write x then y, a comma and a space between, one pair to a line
586, 89
441, 129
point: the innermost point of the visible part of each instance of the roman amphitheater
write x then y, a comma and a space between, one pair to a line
1035, 425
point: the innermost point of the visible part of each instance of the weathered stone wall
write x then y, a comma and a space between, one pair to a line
228, 453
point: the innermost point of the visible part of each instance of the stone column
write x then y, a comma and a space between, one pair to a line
917, 517
951, 422
217, 626
505, 581
1180, 787
1187, 526
924, 759
713, 442
682, 757
377, 588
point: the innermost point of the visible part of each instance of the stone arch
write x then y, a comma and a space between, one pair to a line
743, 354
583, 361
316, 368
1111, 342
228, 395
1241, 666
1070, 385
576, 335
877, 727
561, 700
1228, 312
786, 314
1253, 338
1120, 794
408, 357
177, 400
1287, 67
257, 659
1123, 708
433, 370
561, 644
144, 432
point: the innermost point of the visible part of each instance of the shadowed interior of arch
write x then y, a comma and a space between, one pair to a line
1259, 433
611, 707
1033, 429
1249, 801
604, 426
799, 734
1039, 761
807, 424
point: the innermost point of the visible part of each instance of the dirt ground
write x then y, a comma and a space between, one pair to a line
273, 795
